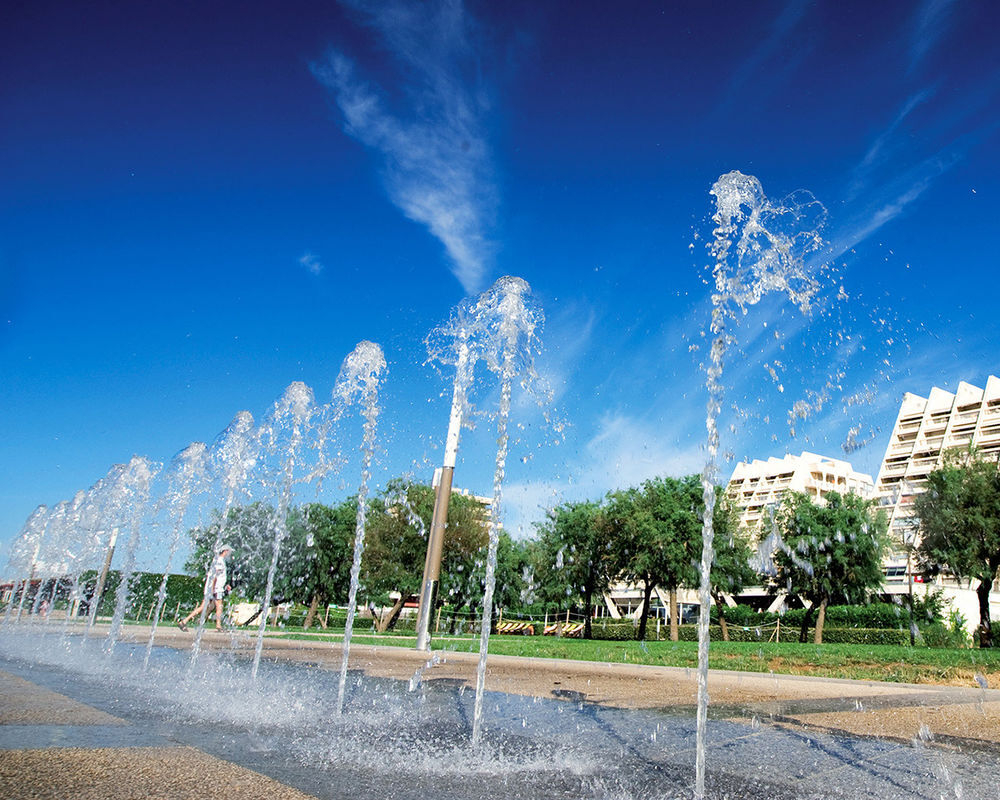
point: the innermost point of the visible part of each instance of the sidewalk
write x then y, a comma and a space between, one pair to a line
53, 747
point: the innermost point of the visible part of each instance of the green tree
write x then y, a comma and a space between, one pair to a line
832, 552
329, 550
396, 544
463, 557
250, 531
658, 531
577, 553
959, 522
731, 570
513, 567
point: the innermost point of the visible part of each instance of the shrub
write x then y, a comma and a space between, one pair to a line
615, 631
866, 636
940, 635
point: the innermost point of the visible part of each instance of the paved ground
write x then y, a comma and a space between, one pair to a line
871, 736
889, 710
54, 747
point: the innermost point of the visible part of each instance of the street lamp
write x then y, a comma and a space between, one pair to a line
442, 484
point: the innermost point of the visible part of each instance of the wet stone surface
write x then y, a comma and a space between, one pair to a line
391, 742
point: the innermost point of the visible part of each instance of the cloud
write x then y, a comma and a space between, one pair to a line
783, 26
435, 158
891, 202
882, 149
930, 24
623, 451
311, 263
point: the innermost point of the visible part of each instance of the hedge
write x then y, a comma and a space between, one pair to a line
625, 631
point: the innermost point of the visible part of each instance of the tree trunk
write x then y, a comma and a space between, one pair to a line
674, 632
720, 605
806, 619
641, 635
985, 629
390, 619
820, 619
311, 615
588, 610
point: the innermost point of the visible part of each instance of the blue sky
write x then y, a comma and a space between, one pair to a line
201, 203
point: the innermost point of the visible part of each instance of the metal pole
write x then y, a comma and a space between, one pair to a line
909, 578
102, 578
435, 539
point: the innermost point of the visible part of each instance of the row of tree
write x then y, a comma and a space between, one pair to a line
825, 552
651, 536
316, 551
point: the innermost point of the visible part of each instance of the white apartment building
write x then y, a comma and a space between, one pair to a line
925, 428
757, 486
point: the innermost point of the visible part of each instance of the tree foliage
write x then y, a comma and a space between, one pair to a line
832, 552
658, 532
251, 532
731, 570
576, 555
329, 550
399, 519
959, 522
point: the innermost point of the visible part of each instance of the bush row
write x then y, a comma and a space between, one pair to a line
625, 631
872, 615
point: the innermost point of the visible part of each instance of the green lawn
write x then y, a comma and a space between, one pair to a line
858, 662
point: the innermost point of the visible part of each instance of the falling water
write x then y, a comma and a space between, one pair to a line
233, 455
359, 376
114, 498
139, 475
758, 248
63, 552
507, 323
187, 472
47, 561
30, 541
292, 415
89, 542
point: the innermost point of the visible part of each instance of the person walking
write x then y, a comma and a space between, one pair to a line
215, 588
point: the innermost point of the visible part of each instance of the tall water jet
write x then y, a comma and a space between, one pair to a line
359, 378
88, 543
283, 434
24, 556
758, 248
63, 551
187, 472
113, 494
232, 458
139, 475
507, 321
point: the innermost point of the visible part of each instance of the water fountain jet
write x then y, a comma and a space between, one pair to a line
359, 379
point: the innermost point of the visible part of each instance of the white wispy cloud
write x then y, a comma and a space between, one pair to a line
884, 145
311, 263
567, 339
435, 156
891, 201
930, 23
623, 451
768, 49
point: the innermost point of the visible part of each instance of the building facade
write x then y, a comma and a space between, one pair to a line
925, 429
757, 487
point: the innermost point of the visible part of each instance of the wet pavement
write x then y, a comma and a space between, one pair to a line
78, 723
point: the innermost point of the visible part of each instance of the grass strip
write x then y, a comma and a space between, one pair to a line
950, 667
